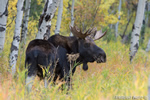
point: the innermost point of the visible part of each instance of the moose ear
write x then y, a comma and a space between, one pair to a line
99, 35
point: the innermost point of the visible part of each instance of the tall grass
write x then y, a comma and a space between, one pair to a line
116, 77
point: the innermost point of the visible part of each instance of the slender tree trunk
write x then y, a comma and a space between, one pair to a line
127, 24
116, 30
59, 16
125, 38
45, 19
3, 21
143, 27
148, 9
137, 29
16, 39
25, 21
148, 46
24, 28
142, 31
111, 25
72, 14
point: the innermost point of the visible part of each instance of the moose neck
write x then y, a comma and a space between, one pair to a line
69, 43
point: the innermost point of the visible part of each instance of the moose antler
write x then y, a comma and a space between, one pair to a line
99, 35
78, 33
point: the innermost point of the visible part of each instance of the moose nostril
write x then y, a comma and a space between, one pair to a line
102, 59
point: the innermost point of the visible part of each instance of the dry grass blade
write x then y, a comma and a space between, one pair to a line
72, 57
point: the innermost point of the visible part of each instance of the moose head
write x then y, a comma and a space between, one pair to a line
88, 50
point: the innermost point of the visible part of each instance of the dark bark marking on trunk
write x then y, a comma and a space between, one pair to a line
133, 27
47, 34
13, 47
136, 46
40, 30
23, 31
47, 18
41, 19
16, 56
48, 29
16, 38
136, 34
25, 28
12, 58
16, 5
22, 9
2, 29
6, 11
131, 57
46, 5
143, 21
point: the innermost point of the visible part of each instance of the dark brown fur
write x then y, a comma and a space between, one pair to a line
39, 52
38, 44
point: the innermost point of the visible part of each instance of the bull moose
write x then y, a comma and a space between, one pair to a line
54, 53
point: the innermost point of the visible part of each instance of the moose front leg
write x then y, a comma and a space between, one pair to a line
30, 76
29, 82
45, 82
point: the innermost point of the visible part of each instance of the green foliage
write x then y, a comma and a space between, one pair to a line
36, 8
94, 13
109, 36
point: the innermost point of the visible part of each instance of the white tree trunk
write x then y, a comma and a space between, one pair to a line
137, 29
116, 28
3, 21
59, 16
148, 46
72, 15
25, 20
16, 39
45, 19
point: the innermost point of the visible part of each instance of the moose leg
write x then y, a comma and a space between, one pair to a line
31, 74
29, 82
45, 82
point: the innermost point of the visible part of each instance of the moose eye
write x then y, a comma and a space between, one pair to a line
86, 45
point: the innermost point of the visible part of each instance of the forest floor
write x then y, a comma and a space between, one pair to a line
115, 79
